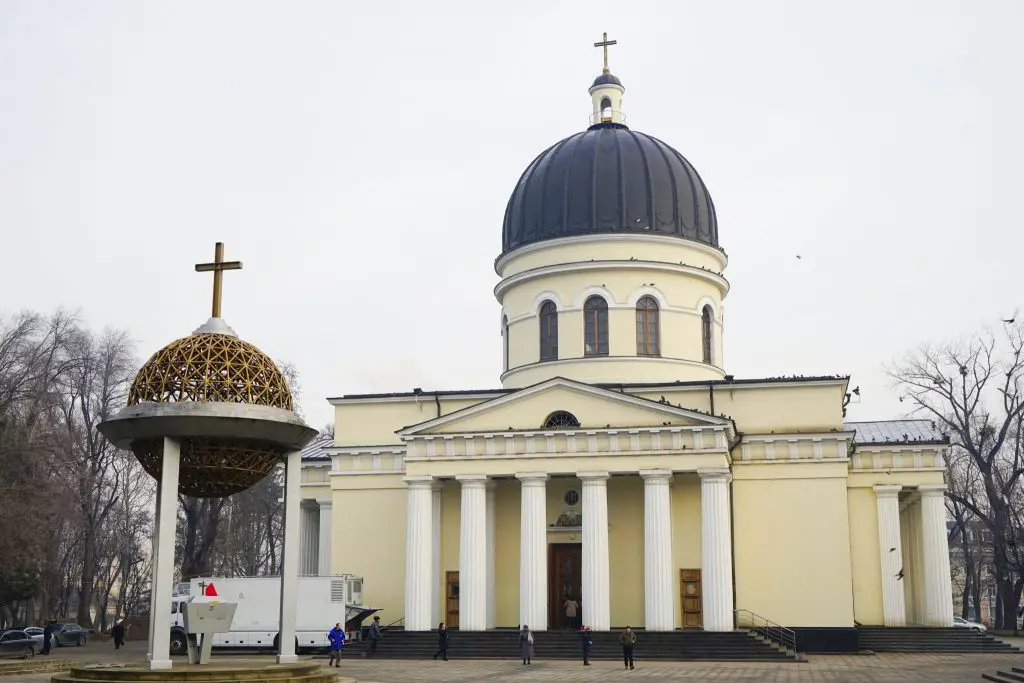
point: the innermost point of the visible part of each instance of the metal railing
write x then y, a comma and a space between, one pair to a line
766, 628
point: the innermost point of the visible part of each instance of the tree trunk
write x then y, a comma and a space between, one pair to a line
87, 586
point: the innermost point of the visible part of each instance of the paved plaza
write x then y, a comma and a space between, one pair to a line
881, 668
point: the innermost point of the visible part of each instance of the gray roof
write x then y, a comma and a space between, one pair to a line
314, 450
896, 432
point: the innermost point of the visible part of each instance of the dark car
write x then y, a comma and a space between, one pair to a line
70, 634
14, 643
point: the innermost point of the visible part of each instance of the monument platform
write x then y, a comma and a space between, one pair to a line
224, 671
37, 665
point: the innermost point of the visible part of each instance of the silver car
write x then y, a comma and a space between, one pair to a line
36, 634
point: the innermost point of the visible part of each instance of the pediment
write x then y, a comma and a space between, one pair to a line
528, 409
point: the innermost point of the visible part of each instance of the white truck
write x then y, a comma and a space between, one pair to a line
323, 601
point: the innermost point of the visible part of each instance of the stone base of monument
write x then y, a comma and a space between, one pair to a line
237, 671
38, 665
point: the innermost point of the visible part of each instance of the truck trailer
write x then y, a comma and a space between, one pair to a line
323, 601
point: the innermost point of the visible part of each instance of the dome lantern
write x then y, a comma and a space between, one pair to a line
607, 91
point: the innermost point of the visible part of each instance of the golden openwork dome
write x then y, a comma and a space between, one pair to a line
213, 368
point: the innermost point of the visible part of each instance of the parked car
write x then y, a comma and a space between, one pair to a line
36, 634
70, 634
14, 643
963, 623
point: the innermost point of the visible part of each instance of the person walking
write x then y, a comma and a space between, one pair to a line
336, 638
628, 640
442, 642
118, 634
47, 636
374, 635
587, 642
571, 611
526, 644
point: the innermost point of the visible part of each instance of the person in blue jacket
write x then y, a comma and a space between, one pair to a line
337, 639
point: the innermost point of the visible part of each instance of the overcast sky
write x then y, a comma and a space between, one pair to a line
357, 157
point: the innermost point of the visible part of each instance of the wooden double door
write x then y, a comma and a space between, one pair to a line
565, 582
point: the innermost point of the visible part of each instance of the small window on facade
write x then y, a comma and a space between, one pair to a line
559, 420
647, 331
548, 331
706, 333
571, 498
595, 327
504, 340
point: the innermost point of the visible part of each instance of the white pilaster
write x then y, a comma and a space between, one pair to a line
436, 591
659, 599
533, 560
716, 550
595, 601
473, 554
890, 549
290, 560
938, 590
163, 555
907, 580
490, 554
324, 539
419, 554
913, 572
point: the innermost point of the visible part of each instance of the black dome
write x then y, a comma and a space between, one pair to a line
609, 179
606, 79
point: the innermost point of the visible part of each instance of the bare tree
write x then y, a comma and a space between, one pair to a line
973, 389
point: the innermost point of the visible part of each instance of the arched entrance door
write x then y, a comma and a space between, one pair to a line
565, 579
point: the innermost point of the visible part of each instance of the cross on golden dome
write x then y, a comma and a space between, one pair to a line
604, 44
218, 267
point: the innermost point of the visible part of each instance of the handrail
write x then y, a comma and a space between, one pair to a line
399, 620
785, 637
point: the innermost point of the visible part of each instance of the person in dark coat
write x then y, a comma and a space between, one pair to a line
587, 642
442, 642
48, 636
628, 642
118, 634
526, 644
374, 635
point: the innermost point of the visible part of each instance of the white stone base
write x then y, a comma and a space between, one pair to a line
287, 659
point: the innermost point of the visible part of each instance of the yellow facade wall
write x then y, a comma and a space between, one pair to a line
374, 424
791, 541
865, 563
686, 537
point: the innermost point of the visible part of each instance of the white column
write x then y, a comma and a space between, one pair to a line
913, 572
419, 553
324, 541
473, 554
659, 598
890, 549
490, 554
290, 560
163, 557
716, 550
533, 552
437, 611
908, 585
938, 589
595, 602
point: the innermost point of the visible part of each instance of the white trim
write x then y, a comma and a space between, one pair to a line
585, 266
502, 261
594, 290
546, 295
391, 449
800, 436
647, 290
561, 382
708, 301
683, 362
412, 398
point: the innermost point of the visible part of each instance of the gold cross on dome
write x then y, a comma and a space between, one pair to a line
604, 44
218, 267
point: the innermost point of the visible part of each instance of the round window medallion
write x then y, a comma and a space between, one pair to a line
571, 497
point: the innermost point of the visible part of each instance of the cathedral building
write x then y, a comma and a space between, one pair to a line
619, 464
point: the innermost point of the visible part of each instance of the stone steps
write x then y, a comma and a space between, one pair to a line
881, 639
1015, 675
561, 645
302, 672
33, 666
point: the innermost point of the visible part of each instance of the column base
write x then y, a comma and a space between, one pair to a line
160, 664
287, 659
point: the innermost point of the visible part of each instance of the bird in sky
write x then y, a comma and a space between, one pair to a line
1012, 318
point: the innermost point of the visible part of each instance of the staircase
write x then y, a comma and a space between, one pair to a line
1015, 675
303, 672
548, 645
33, 666
881, 639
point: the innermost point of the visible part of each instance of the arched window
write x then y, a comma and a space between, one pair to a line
548, 331
504, 341
647, 331
606, 109
559, 420
707, 332
595, 327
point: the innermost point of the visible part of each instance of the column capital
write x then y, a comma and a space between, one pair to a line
532, 478
419, 482
656, 475
472, 481
325, 503
932, 490
888, 490
593, 476
715, 474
